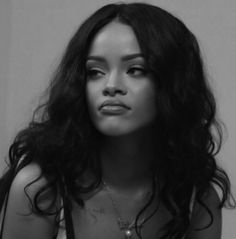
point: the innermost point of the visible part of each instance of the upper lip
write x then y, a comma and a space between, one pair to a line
114, 103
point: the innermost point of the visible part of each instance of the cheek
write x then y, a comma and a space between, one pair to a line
91, 92
147, 100
147, 108
91, 100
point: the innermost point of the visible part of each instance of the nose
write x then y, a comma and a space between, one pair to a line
114, 85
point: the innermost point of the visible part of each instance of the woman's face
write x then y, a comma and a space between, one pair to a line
120, 92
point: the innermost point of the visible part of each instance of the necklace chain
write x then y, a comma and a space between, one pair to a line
125, 225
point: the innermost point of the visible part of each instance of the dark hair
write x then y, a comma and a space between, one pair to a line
63, 142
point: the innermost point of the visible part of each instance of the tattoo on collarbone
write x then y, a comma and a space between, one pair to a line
95, 212
100, 210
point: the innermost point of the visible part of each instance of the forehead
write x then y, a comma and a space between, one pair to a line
115, 38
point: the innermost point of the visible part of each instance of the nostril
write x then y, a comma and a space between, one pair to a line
109, 91
112, 91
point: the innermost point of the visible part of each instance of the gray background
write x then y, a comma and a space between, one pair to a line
33, 34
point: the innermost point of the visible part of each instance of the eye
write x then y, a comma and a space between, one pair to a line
137, 71
94, 73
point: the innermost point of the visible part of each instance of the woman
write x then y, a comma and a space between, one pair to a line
123, 146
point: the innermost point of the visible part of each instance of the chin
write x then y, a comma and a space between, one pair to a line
121, 128
114, 132
121, 131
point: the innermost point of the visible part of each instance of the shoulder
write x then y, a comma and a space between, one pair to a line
206, 221
20, 219
211, 198
27, 182
27, 175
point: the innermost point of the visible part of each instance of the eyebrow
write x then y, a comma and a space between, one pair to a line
123, 58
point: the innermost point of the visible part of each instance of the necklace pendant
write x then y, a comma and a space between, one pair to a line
128, 234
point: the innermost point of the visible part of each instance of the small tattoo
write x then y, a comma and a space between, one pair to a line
93, 212
100, 210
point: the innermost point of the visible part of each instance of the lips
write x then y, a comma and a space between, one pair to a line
113, 107
113, 103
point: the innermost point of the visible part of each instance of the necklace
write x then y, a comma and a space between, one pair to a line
125, 226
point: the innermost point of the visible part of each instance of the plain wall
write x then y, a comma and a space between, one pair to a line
5, 29
33, 35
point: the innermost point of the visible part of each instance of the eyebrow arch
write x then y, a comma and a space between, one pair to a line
123, 58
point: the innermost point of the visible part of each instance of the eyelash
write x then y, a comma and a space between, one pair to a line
141, 71
94, 73
134, 71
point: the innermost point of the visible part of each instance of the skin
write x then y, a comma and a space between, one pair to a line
117, 71
126, 152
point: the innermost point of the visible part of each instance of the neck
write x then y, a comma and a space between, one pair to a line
126, 161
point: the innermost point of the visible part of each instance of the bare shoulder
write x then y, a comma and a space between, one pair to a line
26, 176
26, 184
20, 220
205, 224
212, 197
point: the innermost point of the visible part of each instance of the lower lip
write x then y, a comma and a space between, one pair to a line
113, 109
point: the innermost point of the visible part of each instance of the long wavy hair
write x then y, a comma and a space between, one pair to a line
63, 142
